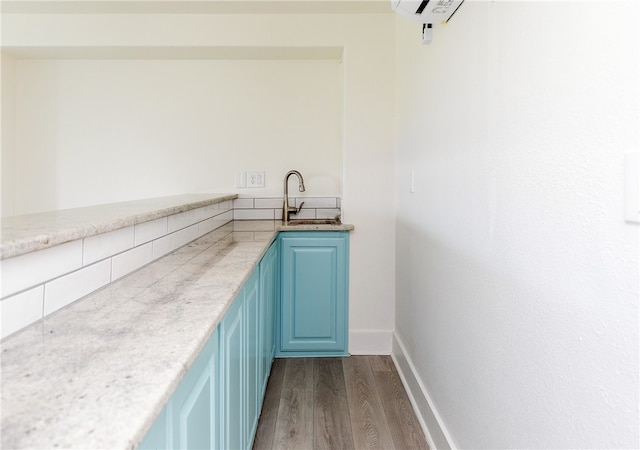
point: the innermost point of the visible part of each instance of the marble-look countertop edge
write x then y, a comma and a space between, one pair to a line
59, 235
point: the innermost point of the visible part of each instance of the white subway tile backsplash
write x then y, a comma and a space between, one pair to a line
188, 234
200, 214
253, 214
178, 221
218, 208
316, 202
212, 210
25, 271
21, 310
148, 231
69, 288
243, 203
207, 226
274, 203
108, 244
304, 213
226, 205
215, 222
314, 207
164, 245
327, 213
131, 260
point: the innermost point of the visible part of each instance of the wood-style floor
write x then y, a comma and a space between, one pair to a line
337, 403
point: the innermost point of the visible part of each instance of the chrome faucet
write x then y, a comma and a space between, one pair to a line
286, 209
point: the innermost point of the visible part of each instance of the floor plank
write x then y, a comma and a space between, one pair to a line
382, 363
294, 428
267, 421
337, 403
331, 424
403, 424
368, 422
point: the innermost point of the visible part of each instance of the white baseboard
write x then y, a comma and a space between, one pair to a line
436, 433
370, 342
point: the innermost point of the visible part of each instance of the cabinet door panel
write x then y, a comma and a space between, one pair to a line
232, 349
313, 287
313, 295
268, 293
193, 410
195, 416
253, 356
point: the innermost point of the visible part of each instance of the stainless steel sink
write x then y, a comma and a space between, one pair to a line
335, 221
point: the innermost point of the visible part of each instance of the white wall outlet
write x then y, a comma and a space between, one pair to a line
241, 180
632, 187
255, 179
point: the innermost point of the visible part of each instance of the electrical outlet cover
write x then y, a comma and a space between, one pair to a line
255, 179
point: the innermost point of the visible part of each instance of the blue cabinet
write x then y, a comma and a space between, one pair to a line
218, 403
314, 294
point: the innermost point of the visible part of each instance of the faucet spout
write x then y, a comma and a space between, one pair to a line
286, 209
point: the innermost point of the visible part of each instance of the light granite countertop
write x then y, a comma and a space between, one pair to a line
97, 373
31, 232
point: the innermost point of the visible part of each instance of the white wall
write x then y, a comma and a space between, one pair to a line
8, 127
517, 276
101, 131
368, 107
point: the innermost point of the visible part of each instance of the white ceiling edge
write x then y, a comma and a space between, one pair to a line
196, 7
177, 53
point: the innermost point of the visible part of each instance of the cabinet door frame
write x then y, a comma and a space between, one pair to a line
331, 250
233, 343
253, 356
269, 290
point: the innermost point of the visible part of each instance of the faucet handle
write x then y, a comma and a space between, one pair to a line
300, 207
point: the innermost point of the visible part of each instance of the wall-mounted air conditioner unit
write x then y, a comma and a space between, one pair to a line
427, 12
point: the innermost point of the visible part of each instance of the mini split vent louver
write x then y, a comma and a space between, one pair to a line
427, 12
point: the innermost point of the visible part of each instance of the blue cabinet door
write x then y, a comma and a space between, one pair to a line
252, 352
193, 408
314, 292
268, 294
232, 376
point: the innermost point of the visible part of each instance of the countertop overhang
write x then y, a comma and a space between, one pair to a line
31, 232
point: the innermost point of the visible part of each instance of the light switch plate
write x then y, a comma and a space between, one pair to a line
632, 187
255, 179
